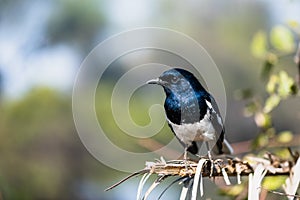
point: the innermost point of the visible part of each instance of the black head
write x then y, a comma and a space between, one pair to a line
184, 96
178, 80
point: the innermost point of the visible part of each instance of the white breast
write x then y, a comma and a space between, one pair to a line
199, 131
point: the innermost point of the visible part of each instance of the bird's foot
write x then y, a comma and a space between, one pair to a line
188, 170
211, 161
186, 164
186, 161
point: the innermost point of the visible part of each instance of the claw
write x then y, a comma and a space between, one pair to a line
186, 161
211, 168
210, 160
185, 154
185, 158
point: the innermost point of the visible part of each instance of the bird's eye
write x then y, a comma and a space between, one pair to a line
174, 79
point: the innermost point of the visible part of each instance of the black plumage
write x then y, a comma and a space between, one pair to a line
192, 112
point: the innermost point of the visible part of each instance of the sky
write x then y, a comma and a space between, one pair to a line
23, 68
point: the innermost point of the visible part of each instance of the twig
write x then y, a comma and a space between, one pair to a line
281, 193
140, 172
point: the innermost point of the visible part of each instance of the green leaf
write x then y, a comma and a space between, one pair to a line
243, 94
271, 85
232, 190
270, 132
271, 102
285, 137
285, 84
266, 70
259, 44
273, 183
282, 39
294, 89
271, 60
250, 109
260, 141
263, 120
283, 153
293, 24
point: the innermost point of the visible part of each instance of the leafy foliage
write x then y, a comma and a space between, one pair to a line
282, 39
75, 23
279, 86
41, 154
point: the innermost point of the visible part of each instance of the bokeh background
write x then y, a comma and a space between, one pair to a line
42, 44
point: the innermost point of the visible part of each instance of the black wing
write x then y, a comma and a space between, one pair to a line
217, 123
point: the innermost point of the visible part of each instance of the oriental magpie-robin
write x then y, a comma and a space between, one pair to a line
192, 113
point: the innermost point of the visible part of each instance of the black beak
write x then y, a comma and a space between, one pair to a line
154, 81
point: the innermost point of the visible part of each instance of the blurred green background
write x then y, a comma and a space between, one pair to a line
42, 44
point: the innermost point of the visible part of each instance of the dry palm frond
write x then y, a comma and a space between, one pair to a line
292, 183
141, 185
191, 173
255, 182
177, 180
197, 178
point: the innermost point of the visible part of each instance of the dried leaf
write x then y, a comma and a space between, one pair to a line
183, 193
141, 185
151, 188
255, 182
292, 183
197, 178
177, 180
225, 177
185, 189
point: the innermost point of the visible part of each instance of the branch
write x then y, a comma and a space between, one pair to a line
143, 171
281, 193
232, 167
190, 172
188, 168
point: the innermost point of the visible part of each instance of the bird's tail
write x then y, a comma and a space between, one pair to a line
215, 150
227, 148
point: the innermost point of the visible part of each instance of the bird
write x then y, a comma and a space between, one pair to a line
192, 113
